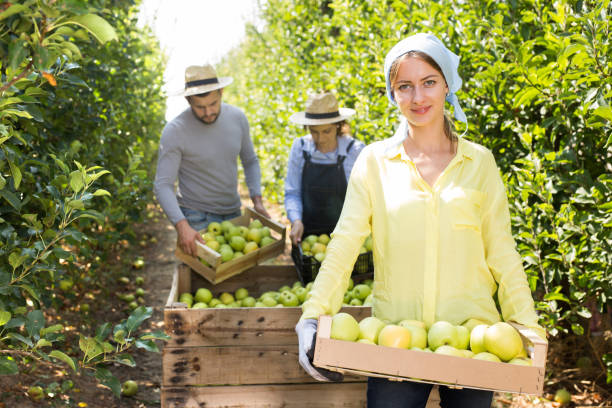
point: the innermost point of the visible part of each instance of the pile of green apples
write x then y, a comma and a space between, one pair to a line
499, 342
316, 246
285, 296
232, 241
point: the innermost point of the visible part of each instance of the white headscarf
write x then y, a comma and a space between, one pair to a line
446, 59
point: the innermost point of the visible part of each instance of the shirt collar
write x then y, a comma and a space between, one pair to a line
395, 149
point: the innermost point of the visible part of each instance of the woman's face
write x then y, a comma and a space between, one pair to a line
324, 136
419, 90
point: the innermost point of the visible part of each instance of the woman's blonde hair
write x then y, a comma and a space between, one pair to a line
449, 129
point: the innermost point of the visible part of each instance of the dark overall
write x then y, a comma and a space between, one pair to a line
323, 191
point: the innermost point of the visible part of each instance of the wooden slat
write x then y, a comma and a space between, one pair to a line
235, 365
318, 395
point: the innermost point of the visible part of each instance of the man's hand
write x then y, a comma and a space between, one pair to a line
187, 237
297, 230
259, 207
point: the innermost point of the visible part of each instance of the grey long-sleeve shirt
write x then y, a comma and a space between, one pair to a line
204, 159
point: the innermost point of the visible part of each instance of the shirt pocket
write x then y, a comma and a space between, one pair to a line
465, 207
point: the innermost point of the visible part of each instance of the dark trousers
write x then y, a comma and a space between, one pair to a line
383, 393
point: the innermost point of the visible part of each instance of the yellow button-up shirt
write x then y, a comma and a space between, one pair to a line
440, 252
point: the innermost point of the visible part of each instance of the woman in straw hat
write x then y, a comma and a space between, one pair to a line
437, 210
319, 167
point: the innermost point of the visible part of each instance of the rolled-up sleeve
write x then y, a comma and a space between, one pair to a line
502, 258
353, 227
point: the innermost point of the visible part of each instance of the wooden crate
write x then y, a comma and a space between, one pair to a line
217, 271
243, 357
400, 364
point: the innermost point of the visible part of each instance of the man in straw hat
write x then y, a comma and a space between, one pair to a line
200, 148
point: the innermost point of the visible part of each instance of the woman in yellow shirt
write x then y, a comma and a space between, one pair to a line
437, 210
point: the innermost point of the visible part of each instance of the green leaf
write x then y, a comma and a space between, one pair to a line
35, 321
16, 259
42, 343
16, 174
76, 204
60, 163
103, 331
604, 112
138, 316
51, 329
148, 345
5, 316
90, 347
96, 25
101, 192
76, 181
22, 339
63, 357
8, 366
12, 10
11, 198
125, 359
18, 51
155, 335
107, 378
31, 291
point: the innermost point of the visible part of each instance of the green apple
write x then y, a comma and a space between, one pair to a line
368, 243
221, 239
369, 328
214, 228
254, 235
467, 353
319, 256
233, 231
133, 305
186, 298
361, 291
241, 293
324, 239
477, 338
487, 357
213, 244
84, 307
268, 301
203, 295
66, 285
266, 241
464, 337
348, 296
289, 299
418, 334
344, 327
227, 254
368, 282
214, 302
311, 239
226, 298
317, 247
237, 254
139, 280
255, 224
366, 341
503, 340
305, 246
138, 263
221, 306
413, 322
351, 284
199, 305
244, 231
442, 333
449, 351
265, 232
226, 225
301, 294
260, 304
355, 302
139, 292
368, 301
562, 396
248, 301
237, 243
208, 236
520, 361
396, 336
471, 323
36, 393
250, 247
129, 388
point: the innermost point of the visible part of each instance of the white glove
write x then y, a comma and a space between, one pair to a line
306, 330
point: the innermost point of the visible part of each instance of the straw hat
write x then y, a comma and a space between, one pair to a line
321, 109
201, 79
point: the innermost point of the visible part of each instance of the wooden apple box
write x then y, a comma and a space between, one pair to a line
401, 364
217, 271
243, 357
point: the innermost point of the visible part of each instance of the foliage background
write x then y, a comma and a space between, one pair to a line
537, 90
81, 109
